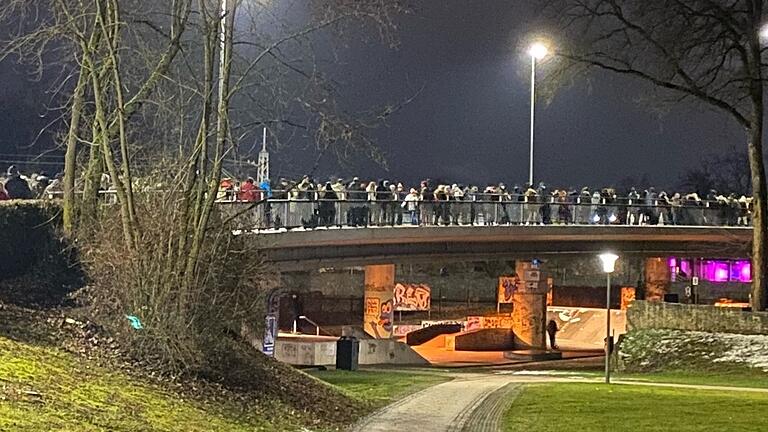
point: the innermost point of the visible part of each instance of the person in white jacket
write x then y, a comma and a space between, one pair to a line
411, 204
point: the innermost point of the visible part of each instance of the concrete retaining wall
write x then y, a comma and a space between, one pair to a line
643, 315
323, 353
481, 340
306, 353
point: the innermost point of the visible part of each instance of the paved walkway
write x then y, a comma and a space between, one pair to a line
474, 403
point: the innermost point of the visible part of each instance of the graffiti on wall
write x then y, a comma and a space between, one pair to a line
627, 297
488, 322
379, 314
412, 297
507, 287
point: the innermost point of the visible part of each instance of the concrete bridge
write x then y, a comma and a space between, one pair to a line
379, 248
339, 247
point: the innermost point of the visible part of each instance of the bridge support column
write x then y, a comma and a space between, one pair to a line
657, 279
529, 314
378, 312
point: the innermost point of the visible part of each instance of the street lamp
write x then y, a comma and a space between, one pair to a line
764, 32
537, 51
608, 260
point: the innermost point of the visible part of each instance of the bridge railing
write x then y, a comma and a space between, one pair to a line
314, 213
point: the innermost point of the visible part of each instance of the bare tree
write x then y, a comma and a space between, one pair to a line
707, 51
145, 72
725, 173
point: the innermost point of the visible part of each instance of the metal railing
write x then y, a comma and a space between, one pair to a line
316, 213
302, 317
308, 210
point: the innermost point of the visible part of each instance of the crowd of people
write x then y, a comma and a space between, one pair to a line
304, 202
15, 185
379, 203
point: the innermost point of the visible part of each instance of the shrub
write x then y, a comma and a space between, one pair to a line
182, 322
37, 266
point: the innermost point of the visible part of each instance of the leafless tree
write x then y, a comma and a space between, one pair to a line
723, 172
145, 72
707, 51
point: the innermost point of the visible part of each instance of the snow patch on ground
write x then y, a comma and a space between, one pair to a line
751, 350
663, 348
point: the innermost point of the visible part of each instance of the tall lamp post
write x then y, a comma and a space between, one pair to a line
537, 52
608, 260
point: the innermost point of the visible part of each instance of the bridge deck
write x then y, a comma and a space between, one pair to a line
334, 247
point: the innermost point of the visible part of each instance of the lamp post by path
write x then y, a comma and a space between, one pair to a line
608, 260
537, 52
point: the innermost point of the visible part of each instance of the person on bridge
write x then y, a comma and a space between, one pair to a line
552, 331
3, 194
411, 204
249, 191
16, 187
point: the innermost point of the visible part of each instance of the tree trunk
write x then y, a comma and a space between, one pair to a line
70, 158
760, 210
757, 163
90, 199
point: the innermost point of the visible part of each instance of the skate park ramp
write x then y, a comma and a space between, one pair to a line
582, 332
432, 333
584, 328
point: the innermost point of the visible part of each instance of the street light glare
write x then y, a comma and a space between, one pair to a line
609, 261
538, 51
764, 32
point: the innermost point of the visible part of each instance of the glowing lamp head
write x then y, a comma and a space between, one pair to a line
764, 32
608, 260
538, 50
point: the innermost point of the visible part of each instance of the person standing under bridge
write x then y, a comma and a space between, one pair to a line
552, 331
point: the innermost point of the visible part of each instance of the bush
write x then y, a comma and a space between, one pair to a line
37, 266
183, 319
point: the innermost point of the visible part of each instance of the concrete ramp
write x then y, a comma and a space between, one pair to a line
426, 334
436, 342
385, 351
492, 339
584, 328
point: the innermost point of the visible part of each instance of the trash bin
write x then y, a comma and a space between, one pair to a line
347, 352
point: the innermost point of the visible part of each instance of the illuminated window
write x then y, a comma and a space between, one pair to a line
715, 271
682, 270
741, 271
679, 269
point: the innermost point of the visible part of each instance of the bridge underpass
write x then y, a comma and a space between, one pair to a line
379, 248
311, 249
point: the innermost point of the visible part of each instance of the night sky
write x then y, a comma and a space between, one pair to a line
470, 122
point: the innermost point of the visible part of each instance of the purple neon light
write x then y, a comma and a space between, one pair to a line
712, 270
741, 271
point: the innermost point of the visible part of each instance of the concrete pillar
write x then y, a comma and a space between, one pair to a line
657, 279
529, 313
378, 312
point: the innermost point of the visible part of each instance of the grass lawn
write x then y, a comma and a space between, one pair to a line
380, 387
45, 389
742, 378
597, 407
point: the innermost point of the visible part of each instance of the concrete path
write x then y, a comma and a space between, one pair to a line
474, 402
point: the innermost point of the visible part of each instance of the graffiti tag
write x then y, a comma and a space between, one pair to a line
412, 297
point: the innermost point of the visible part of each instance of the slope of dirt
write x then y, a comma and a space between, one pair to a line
59, 371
